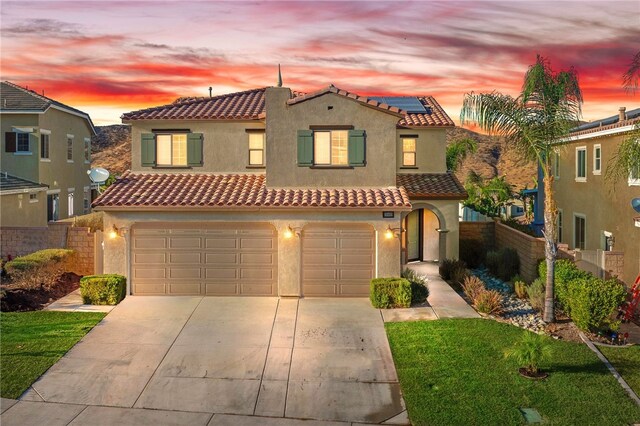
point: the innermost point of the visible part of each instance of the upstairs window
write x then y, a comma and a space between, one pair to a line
581, 164
87, 150
69, 148
409, 152
22, 142
256, 148
579, 231
634, 176
556, 165
171, 150
44, 146
597, 159
17, 141
559, 225
330, 148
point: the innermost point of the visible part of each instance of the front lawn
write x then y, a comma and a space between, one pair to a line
453, 372
627, 362
31, 342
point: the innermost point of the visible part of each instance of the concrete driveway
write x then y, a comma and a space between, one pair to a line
322, 359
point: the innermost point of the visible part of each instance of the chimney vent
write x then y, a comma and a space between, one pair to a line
622, 115
210, 91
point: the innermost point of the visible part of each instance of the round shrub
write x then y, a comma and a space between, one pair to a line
536, 292
488, 302
419, 285
594, 302
107, 289
565, 271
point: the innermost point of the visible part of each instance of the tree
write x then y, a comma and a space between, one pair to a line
632, 76
488, 197
547, 108
458, 151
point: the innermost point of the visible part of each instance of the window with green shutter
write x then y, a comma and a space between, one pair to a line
305, 148
194, 149
148, 150
357, 151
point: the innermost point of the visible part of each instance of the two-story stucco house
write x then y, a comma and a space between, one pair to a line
46, 142
273, 192
593, 213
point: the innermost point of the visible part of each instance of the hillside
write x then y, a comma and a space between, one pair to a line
494, 158
112, 150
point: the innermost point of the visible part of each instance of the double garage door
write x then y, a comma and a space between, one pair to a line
242, 259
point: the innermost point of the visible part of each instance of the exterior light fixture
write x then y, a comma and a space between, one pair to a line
114, 232
290, 232
392, 232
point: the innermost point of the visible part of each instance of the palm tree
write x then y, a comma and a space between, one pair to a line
458, 151
549, 105
631, 77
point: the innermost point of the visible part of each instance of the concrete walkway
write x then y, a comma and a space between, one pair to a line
72, 302
219, 361
443, 301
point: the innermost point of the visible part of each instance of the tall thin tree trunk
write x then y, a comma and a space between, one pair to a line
550, 242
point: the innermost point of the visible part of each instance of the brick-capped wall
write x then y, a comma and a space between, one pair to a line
530, 249
479, 231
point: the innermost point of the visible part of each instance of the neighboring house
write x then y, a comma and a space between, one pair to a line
592, 213
273, 192
47, 142
22, 202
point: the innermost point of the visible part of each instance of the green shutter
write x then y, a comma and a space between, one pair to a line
148, 150
357, 148
194, 149
305, 148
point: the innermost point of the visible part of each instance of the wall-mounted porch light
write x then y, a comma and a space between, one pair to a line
392, 232
290, 232
117, 232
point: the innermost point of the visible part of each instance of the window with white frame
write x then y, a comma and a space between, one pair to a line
87, 150
22, 142
33, 197
44, 145
256, 148
597, 159
330, 148
556, 165
86, 200
171, 149
70, 203
581, 164
69, 148
579, 231
634, 175
559, 225
408, 152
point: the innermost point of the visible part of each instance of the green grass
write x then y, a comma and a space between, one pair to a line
31, 342
627, 361
453, 372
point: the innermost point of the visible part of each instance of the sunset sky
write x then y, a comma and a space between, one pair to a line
108, 58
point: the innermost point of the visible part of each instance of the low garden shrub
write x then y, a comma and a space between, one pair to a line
503, 263
458, 275
491, 261
472, 252
41, 268
520, 288
447, 266
536, 293
594, 302
488, 302
472, 286
108, 289
390, 293
565, 271
419, 285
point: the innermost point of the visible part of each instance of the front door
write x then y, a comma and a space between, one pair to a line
413, 235
53, 207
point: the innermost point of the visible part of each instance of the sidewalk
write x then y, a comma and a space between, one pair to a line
72, 302
443, 301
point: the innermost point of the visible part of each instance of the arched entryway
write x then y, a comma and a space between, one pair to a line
423, 239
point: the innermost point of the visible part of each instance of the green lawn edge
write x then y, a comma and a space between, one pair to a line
626, 360
453, 372
31, 342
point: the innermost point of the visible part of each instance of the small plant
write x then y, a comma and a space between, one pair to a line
530, 352
108, 289
520, 288
458, 275
472, 252
488, 302
536, 293
447, 266
419, 285
390, 293
565, 271
472, 286
492, 260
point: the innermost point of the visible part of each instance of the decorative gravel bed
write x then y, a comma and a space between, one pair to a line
515, 311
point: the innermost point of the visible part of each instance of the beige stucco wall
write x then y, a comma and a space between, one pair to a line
289, 250
19, 211
283, 122
58, 173
431, 145
225, 144
606, 207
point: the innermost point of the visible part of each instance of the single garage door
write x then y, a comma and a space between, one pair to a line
337, 259
204, 259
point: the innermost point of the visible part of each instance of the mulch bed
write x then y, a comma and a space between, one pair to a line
17, 299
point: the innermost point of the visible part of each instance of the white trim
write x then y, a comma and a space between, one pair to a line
582, 216
23, 153
45, 132
45, 160
556, 165
20, 129
24, 111
53, 191
71, 189
560, 225
581, 178
590, 135
69, 136
22, 191
597, 171
69, 161
83, 115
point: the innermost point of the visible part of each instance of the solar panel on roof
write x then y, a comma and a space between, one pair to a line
410, 104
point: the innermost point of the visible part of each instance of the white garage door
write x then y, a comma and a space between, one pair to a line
337, 259
204, 259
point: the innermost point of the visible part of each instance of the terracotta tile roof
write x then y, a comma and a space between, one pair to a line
432, 186
608, 123
333, 89
192, 190
435, 117
247, 105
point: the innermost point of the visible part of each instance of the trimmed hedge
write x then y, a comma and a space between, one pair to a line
108, 289
564, 272
419, 285
40, 268
594, 302
390, 293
